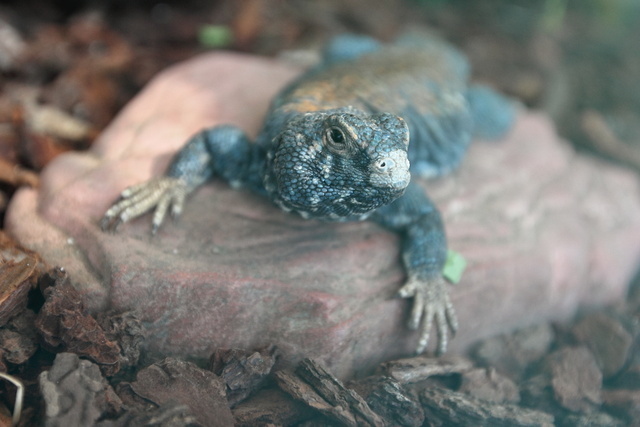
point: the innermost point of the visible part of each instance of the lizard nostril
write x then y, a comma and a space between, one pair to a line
385, 164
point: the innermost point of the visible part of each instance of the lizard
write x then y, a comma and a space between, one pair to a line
348, 140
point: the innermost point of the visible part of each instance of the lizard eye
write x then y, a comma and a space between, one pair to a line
336, 136
335, 140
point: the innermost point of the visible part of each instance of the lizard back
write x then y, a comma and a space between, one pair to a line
424, 84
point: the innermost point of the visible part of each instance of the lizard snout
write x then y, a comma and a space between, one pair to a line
391, 170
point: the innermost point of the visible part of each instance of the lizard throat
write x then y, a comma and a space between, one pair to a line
341, 209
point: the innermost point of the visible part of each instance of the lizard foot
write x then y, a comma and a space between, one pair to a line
430, 302
161, 193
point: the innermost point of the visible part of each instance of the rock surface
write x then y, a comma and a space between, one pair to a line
543, 230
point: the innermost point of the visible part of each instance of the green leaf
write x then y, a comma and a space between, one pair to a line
454, 266
215, 36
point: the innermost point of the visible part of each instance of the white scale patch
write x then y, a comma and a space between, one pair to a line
326, 171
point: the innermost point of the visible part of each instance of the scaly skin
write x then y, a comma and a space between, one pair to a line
342, 143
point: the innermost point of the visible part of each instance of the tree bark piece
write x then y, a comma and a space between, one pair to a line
244, 372
18, 274
511, 354
19, 339
271, 407
332, 389
388, 399
624, 402
445, 407
173, 380
416, 369
300, 390
128, 331
170, 414
489, 385
576, 379
65, 325
608, 340
322, 391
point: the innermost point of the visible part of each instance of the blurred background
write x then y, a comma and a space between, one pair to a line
68, 66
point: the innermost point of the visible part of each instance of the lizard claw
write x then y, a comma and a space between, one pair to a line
431, 302
161, 193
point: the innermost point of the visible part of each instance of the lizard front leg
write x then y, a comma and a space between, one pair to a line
222, 151
424, 253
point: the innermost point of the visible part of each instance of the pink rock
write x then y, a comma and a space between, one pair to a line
544, 231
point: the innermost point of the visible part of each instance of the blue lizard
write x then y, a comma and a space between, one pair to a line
346, 141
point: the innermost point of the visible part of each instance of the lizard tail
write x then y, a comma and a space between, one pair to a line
493, 114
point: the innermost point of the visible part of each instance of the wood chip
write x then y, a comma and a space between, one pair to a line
320, 390
173, 380
332, 389
271, 407
390, 400
244, 372
65, 325
446, 407
19, 271
420, 368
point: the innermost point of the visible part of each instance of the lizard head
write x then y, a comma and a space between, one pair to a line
338, 165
